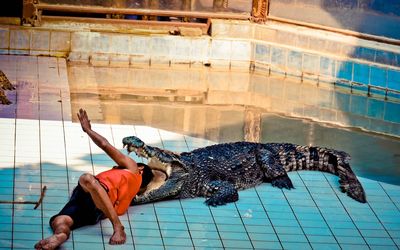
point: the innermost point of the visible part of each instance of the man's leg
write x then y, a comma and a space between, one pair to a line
61, 226
100, 197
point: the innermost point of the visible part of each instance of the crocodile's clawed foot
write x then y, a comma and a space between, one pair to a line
214, 202
282, 182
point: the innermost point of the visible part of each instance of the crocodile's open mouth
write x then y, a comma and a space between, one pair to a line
158, 180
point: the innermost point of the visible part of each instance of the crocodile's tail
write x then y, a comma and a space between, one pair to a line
327, 160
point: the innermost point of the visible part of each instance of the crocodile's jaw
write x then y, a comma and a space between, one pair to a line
138, 151
154, 163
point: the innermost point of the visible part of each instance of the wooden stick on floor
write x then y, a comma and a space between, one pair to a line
36, 203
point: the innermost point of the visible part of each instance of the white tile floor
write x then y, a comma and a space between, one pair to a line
41, 146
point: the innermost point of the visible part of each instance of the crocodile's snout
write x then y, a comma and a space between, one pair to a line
132, 143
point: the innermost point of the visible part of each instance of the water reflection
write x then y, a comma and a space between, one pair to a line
227, 106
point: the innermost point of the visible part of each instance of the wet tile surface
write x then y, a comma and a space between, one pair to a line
41, 146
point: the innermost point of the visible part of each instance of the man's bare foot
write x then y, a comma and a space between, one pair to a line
52, 242
118, 237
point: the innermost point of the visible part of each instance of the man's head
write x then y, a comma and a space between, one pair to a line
151, 178
147, 174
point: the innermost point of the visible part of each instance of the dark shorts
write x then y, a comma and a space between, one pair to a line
81, 209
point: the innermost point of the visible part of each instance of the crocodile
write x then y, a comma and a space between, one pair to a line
218, 171
5, 84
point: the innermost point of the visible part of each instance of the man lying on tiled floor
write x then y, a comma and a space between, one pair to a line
107, 194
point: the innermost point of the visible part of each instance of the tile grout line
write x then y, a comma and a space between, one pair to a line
390, 198
186, 222
319, 210
244, 225
216, 227
93, 172
269, 219
133, 239
380, 222
15, 152
183, 210
66, 156
154, 208
158, 224
383, 225
127, 212
40, 142
348, 213
179, 200
209, 209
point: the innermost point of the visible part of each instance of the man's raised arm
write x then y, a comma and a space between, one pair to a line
121, 159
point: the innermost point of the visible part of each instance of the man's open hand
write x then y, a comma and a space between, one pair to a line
84, 120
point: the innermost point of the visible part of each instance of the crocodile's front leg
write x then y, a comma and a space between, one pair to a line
170, 189
220, 193
273, 169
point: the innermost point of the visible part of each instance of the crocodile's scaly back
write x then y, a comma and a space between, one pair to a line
231, 162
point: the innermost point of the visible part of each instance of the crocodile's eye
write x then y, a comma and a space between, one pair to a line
138, 143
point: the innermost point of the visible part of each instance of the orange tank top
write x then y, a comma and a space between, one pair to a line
123, 185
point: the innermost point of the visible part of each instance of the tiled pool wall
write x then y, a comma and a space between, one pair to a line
368, 69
